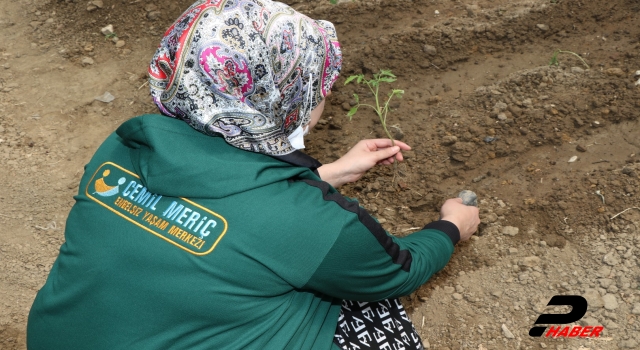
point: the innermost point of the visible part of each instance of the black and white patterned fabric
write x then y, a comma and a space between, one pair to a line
380, 325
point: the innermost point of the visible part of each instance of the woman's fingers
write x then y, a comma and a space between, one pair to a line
384, 143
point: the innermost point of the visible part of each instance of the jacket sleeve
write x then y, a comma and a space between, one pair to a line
365, 263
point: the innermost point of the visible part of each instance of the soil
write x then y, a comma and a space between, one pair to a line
482, 109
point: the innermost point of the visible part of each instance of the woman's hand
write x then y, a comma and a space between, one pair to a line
362, 157
465, 217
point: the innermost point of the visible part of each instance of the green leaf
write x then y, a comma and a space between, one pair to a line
352, 111
360, 78
386, 73
387, 79
357, 98
350, 79
333, 1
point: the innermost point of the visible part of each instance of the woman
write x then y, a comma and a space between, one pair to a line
227, 236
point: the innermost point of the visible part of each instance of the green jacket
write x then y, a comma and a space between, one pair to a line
179, 241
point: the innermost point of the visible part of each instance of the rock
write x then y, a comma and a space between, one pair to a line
510, 230
542, 27
35, 24
107, 97
507, 333
154, 15
589, 321
448, 140
572, 159
629, 172
628, 344
432, 100
513, 251
150, 7
611, 259
603, 271
94, 5
107, 31
594, 300
500, 106
502, 116
425, 344
577, 70
530, 261
121, 43
448, 289
87, 61
636, 309
605, 282
490, 218
468, 198
580, 148
617, 72
610, 302
430, 50
457, 296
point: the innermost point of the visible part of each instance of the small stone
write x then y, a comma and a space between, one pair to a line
636, 309
513, 251
490, 218
611, 259
594, 300
425, 344
35, 24
120, 43
617, 72
577, 70
542, 244
87, 61
429, 50
457, 296
507, 333
502, 116
610, 302
589, 321
97, 3
542, 27
154, 15
510, 230
448, 140
107, 30
572, 159
448, 289
107, 97
603, 271
91, 8
530, 261
628, 344
580, 148
500, 106
432, 100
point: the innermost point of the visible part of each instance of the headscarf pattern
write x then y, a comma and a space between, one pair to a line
248, 70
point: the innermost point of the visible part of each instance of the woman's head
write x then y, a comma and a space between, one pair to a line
249, 70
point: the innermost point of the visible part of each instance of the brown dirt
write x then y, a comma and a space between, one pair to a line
478, 69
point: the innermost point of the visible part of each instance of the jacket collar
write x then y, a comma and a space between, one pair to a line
298, 158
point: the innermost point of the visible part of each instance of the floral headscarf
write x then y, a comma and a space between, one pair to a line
249, 70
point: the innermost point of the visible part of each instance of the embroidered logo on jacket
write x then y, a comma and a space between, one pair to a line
178, 221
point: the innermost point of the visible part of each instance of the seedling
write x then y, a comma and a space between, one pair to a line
554, 58
382, 110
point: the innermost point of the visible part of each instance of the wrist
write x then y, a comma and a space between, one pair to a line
332, 174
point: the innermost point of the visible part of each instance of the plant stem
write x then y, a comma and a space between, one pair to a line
575, 54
